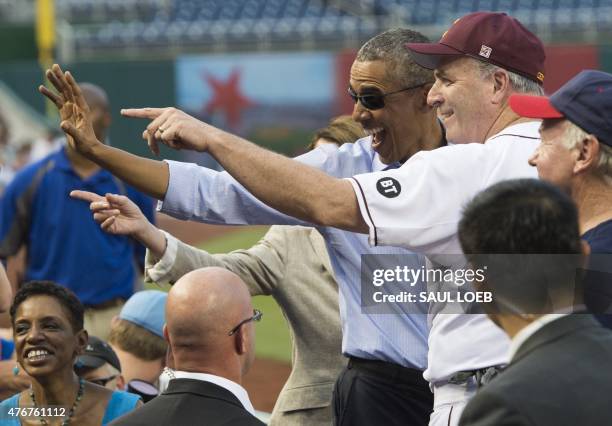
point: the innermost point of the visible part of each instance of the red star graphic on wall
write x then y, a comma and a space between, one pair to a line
228, 98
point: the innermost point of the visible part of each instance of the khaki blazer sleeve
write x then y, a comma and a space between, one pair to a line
261, 267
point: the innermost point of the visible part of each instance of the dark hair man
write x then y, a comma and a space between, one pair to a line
560, 370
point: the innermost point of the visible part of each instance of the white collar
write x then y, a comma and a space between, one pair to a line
237, 390
525, 333
377, 164
527, 129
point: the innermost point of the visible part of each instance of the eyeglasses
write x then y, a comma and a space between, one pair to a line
376, 101
257, 314
103, 381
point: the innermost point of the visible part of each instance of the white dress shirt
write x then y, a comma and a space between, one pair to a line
395, 335
237, 390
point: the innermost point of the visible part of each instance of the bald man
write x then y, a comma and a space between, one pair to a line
64, 243
209, 327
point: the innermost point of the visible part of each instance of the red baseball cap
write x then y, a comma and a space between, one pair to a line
532, 106
585, 100
488, 36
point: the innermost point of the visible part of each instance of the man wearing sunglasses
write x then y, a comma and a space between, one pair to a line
387, 352
211, 332
480, 61
99, 364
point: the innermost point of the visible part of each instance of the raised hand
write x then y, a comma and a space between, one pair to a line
173, 128
116, 214
73, 109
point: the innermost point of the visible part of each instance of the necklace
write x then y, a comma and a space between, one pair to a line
67, 418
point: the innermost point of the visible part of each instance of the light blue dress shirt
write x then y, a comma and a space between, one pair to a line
201, 194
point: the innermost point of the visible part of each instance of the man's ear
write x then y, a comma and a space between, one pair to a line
423, 106
585, 248
241, 341
588, 154
165, 333
121, 382
108, 119
501, 86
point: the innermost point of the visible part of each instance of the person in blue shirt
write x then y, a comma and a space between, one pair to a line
386, 344
62, 242
47, 322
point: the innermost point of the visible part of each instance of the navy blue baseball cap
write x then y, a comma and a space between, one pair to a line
585, 100
97, 352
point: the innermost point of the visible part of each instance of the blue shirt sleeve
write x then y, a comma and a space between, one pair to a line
198, 193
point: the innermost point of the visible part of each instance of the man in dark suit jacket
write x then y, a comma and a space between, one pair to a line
560, 371
209, 326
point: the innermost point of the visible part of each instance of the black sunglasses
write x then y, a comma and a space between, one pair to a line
257, 314
376, 101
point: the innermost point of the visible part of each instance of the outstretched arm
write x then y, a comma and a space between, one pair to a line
284, 184
148, 176
119, 215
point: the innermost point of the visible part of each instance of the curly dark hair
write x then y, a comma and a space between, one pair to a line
65, 297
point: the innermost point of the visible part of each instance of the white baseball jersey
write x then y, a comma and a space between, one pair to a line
419, 205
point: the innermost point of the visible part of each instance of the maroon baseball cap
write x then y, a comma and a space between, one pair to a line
488, 36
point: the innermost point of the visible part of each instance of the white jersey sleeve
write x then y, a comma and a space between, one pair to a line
419, 205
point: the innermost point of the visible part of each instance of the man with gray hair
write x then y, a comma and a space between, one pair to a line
387, 351
576, 155
417, 206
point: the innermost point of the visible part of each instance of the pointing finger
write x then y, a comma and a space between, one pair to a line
150, 113
85, 196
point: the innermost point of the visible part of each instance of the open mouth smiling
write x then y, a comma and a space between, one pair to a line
35, 355
378, 136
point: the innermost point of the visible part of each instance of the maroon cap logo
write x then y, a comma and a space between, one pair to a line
485, 51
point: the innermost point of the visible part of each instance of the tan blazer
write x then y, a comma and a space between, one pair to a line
291, 264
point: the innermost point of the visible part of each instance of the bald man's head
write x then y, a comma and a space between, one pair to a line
203, 306
97, 100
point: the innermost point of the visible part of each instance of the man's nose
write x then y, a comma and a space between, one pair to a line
434, 97
533, 160
360, 114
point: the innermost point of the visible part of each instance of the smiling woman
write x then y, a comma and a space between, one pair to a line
47, 321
